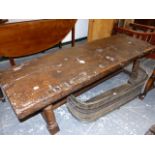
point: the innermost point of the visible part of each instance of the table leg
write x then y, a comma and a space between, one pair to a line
1, 96
49, 116
12, 61
73, 36
135, 67
149, 85
134, 73
60, 44
151, 131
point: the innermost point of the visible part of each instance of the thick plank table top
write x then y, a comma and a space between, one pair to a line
34, 85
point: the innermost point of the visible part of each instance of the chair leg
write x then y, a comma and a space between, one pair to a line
12, 61
149, 85
49, 116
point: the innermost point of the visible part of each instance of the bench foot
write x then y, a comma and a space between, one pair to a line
49, 116
151, 130
149, 85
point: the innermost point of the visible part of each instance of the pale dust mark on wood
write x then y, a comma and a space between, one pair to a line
80, 61
35, 87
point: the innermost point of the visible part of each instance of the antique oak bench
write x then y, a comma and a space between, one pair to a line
43, 84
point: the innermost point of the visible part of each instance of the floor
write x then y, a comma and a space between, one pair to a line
133, 118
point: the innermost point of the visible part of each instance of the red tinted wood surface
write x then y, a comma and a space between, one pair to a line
144, 28
38, 83
24, 38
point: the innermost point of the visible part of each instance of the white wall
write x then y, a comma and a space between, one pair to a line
18, 20
81, 30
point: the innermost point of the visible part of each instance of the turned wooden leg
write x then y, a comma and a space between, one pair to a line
149, 85
151, 131
73, 36
49, 116
135, 68
60, 45
12, 62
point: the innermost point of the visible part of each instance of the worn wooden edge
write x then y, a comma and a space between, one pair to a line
76, 89
63, 100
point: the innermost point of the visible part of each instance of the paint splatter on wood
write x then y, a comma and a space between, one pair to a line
80, 61
35, 87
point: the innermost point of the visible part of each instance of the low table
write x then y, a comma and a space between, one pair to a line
43, 84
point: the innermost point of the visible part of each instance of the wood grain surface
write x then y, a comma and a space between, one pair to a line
100, 28
25, 38
36, 84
